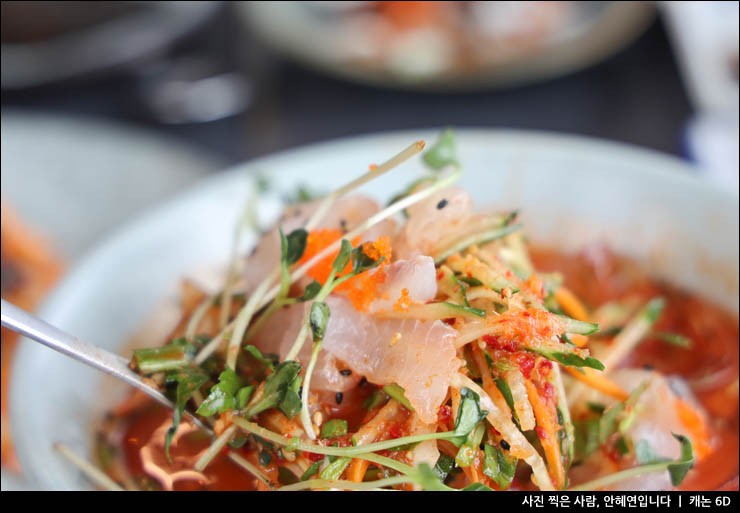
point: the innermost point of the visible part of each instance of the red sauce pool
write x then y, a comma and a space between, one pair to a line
710, 365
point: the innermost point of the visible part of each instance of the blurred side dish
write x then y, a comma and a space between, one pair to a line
29, 269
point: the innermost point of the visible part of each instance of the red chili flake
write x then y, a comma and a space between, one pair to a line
548, 391
525, 362
395, 431
312, 456
372, 167
611, 452
440, 274
541, 433
443, 414
544, 367
500, 343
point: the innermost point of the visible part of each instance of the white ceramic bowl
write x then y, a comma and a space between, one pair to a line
571, 191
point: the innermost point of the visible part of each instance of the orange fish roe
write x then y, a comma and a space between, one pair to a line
381, 248
404, 301
315, 243
363, 289
360, 290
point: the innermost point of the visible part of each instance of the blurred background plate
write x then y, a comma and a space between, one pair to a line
74, 178
45, 42
447, 46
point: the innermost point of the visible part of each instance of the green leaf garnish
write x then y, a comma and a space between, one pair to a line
469, 413
594, 432
469, 449
318, 318
221, 398
333, 428
243, 396
343, 257
294, 245
473, 282
444, 466
311, 471
310, 292
291, 403
268, 361
375, 400
568, 359
275, 388
579, 327
681, 467
399, 394
335, 469
442, 153
428, 479
499, 465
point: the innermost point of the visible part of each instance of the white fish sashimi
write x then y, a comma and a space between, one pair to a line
277, 337
656, 418
420, 356
433, 219
417, 275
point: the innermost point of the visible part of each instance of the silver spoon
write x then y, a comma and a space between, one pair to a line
28, 325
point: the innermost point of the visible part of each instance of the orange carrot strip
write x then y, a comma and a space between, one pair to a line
356, 470
698, 431
571, 304
549, 428
579, 340
599, 382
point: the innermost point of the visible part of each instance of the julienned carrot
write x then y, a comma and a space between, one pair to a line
471, 472
356, 470
548, 434
579, 340
598, 381
571, 304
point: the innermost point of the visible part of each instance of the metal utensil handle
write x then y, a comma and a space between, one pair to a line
20, 321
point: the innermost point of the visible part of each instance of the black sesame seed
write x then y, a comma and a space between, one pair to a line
363, 381
505, 445
442, 204
343, 224
345, 372
339, 396
648, 367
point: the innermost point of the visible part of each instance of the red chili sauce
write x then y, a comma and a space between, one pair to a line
710, 365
